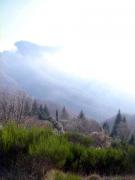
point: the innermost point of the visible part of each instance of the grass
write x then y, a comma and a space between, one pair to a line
15, 136
59, 175
56, 148
37, 150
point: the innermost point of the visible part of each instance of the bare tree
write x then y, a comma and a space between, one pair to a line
14, 106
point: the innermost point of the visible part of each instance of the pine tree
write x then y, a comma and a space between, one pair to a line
27, 109
120, 129
118, 118
124, 119
41, 108
34, 108
43, 113
106, 127
57, 115
116, 123
46, 112
132, 140
40, 112
81, 115
123, 129
64, 114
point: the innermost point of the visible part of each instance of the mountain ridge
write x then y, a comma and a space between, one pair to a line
42, 81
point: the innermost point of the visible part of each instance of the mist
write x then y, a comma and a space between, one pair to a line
97, 39
30, 67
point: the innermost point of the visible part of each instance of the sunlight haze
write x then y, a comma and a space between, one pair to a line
97, 38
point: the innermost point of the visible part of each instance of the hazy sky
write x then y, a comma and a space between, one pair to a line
97, 36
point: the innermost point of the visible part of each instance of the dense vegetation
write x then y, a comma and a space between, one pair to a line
36, 150
72, 145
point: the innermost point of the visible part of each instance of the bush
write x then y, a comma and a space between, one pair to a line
39, 146
14, 136
78, 138
53, 148
74, 160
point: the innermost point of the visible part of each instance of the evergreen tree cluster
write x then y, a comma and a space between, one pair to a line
132, 140
106, 127
40, 110
43, 113
81, 115
120, 128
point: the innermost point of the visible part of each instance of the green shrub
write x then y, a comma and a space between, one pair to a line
74, 160
16, 136
55, 148
78, 138
44, 145
13, 136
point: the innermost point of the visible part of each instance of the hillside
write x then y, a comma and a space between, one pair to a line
7, 82
29, 67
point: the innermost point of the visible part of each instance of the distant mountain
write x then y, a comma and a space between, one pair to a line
28, 66
7, 83
31, 49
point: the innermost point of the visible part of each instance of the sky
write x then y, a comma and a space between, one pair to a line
97, 37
